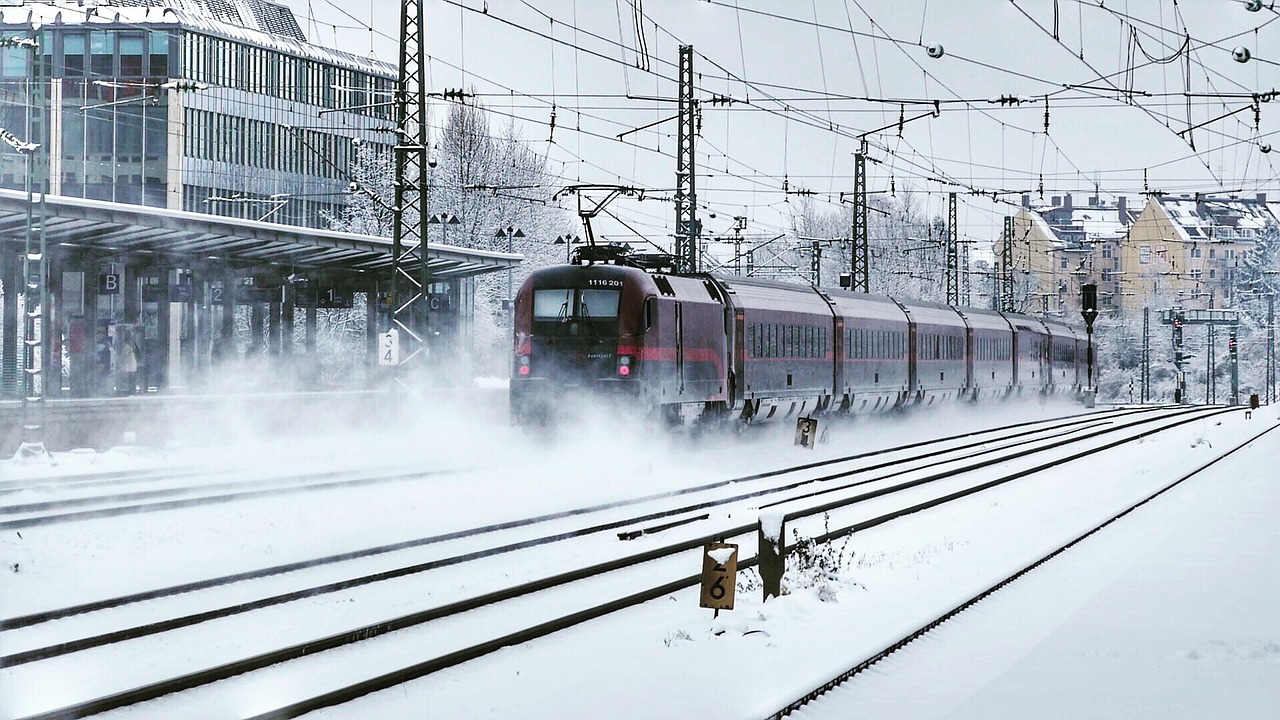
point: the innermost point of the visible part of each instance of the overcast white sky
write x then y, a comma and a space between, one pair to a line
797, 62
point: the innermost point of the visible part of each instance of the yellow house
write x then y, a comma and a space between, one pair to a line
1175, 251
1184, 250
1059, 246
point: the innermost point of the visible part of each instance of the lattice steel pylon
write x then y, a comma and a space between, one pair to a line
1271, 348
860, 266
410, 279
687, 228
1146, 354
953, 259
36, 338
1006, 266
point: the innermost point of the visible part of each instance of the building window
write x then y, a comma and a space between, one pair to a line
13, 62
158, 54
1195, 251
102, 51
73, 55
1144, 254
131, 54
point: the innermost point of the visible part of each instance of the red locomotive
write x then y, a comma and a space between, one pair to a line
701, 346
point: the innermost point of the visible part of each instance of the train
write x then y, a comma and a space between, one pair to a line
697, 347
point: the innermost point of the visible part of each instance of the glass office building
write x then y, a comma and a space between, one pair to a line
214, 106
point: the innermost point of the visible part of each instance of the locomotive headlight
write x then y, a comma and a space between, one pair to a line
523, 362
624, 365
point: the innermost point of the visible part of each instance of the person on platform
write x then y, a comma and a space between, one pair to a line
129, 357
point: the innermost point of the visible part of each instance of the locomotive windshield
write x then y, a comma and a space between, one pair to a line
568, 304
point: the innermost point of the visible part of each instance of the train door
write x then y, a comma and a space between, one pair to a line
680, 348
969, 352
1017, 364
1046, 369
738, 359
837, 357
914, 353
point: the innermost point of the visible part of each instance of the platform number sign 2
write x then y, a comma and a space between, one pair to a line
719, 575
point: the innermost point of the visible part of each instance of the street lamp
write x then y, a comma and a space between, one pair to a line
568, 241
510, 233
444, 220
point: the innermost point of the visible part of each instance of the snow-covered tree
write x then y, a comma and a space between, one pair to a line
495, 184
490, 181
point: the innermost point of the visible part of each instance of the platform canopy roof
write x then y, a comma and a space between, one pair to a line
111, 227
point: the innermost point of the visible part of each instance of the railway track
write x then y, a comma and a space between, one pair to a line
976, 598
590, 583
15, 514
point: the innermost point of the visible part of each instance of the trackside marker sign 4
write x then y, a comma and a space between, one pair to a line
719, 575
389, 348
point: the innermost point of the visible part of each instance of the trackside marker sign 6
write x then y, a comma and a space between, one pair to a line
719, 574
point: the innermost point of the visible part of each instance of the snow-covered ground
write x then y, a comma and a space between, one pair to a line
669, 658
1170, 614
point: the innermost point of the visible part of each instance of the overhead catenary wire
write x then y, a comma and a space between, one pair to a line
794, 118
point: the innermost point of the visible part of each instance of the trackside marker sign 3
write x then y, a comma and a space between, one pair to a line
719, 574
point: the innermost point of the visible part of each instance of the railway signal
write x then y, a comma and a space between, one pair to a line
1089, 310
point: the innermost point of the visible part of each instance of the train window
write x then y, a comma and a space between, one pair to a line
562, 304
650, 310
599, 303
551, 304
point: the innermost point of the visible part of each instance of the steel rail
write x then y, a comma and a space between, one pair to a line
113, 511
205, 676
922, 630
45, 616
84, 643
388, 680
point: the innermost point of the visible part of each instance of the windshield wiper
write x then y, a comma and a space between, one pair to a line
586, 320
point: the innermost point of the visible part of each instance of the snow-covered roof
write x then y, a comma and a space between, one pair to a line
1203, 218
1081, 224
1100, 222
256, 22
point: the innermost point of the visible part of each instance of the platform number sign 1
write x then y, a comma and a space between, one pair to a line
389, 347
719, 575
